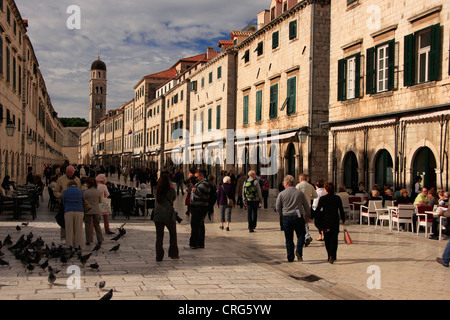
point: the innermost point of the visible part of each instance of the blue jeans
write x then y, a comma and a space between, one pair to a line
446, 255
252, 210
291, 224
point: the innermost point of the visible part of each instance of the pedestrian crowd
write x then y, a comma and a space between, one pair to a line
84, 195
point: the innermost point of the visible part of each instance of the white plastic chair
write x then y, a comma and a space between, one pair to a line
403, 214
424, 219
382, 215
369, 212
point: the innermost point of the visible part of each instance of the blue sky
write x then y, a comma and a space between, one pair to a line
134, 38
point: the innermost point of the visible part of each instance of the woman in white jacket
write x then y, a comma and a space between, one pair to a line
105, 206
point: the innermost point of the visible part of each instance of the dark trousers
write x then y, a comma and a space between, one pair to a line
291, 224
331, 243
198, 214
173, 247
252, 210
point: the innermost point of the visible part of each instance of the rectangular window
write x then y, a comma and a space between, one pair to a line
349, 77
275, 39
218, 117
292, 29
246, 56
351, 63
219, 72
273, 101
245, 109
422, 55
258, 105
8, 64
14, 73
1, 55
203, 82
260, 48
1, 113
202, 120
380, 68
291, 95
210, 77
209, 119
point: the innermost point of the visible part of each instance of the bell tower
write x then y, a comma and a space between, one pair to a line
97, 95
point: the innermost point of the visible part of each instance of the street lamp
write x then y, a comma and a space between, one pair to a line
303, 134
10, 128
29, 139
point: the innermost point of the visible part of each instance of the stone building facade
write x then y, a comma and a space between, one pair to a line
389, 93
31, 132
282, 87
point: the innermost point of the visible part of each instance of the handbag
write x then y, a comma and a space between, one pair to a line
347, 238
105, 205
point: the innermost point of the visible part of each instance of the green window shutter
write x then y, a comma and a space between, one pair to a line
210, 77
391, 71
409, 67
291, 94
371, 71
358, 75
218, 117
245, 120
246, 56
273, 101
219, 72
275, 39
258, 105
292, 29
209, 119
433, 70
342, 66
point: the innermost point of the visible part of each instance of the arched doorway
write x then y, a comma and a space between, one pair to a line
424, 166
384, 169
351, 171
290, 160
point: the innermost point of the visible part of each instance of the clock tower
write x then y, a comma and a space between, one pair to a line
97, 95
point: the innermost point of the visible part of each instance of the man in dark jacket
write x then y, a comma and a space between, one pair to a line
199, 208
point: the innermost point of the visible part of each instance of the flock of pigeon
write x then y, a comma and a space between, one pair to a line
30, 253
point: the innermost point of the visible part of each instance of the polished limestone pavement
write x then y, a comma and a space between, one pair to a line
234, 265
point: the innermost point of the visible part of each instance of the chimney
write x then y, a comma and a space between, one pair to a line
263, 18
210, 53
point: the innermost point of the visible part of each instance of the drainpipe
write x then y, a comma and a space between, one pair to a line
311, 87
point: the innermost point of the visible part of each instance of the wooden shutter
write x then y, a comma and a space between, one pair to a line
342, 66
409, 67
433, 71
371, 71
358, 75
245, 109
273, 101
291, 86
218, 117
275, 40
258, 105
391, 70
293, 30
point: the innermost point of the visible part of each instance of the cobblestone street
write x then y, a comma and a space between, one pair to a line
234, 265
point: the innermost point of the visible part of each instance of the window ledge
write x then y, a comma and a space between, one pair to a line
383, 94
423, 85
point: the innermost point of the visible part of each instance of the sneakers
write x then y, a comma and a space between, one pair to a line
439, 260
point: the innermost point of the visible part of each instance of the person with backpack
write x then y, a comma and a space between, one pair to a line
225, 201
252, 196
199, 204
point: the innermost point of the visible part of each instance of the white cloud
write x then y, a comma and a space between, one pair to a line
134, 38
